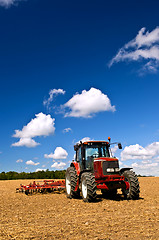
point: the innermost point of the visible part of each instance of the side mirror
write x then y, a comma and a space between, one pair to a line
119, 146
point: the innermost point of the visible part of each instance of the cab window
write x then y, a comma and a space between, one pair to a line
78, 156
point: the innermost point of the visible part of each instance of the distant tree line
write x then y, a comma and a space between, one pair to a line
33, 175
145, 175
37, 175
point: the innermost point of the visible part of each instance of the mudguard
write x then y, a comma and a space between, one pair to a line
76, 166
124, 169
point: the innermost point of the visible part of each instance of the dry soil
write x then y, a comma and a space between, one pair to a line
53, 216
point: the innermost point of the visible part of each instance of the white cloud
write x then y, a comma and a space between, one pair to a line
144, 46
139, 152
52, 94
66, 130
19, 161
144, 39
8, 3
146, 161
59, 153
26, 142
146, 169
120, 163
85, 139
144, 165
114, 149
48, 155
41, 125
156, 159
88, 103
39, 169
30, 162
60, 165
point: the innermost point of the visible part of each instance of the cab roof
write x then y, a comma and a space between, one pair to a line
90, 143
95, 142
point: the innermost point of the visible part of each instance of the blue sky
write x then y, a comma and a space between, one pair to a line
89, 67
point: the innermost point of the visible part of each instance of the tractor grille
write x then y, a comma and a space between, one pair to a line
109, 164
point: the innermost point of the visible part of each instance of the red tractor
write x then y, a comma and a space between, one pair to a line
95, 168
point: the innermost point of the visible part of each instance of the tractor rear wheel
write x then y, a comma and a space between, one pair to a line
88, 187
71, 181
134, 189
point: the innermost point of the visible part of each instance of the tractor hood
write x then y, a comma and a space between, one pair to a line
106, 166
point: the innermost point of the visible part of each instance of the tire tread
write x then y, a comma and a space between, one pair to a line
134, 185
71, 171
91, 186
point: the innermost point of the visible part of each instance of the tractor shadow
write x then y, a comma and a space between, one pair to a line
118, 197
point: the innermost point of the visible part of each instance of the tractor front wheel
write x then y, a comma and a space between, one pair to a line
71, 181
88, 186
133, 191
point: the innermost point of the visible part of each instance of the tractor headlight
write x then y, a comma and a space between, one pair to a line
110, 169
116, 169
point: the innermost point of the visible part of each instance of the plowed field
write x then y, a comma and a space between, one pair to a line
53, 216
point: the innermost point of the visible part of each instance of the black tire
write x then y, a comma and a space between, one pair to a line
88, 187
71, 181
27, 192
109, 193
134, 190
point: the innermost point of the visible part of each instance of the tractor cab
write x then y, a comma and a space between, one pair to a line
96, 157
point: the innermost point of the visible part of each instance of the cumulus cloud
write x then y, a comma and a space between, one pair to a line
147, 169
19, 161
120, 163
144, 165
114, 149
66, 130
41, 125
157, 159
59, 153
30, 162
26, 142
138, 152
143, 160
85, 139
88, 103
39, 170
60, 165
145, 46
8, 3
52, 94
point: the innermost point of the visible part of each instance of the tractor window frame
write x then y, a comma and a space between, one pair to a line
103, 150
78, 155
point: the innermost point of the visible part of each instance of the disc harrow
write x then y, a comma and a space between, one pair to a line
42, 187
